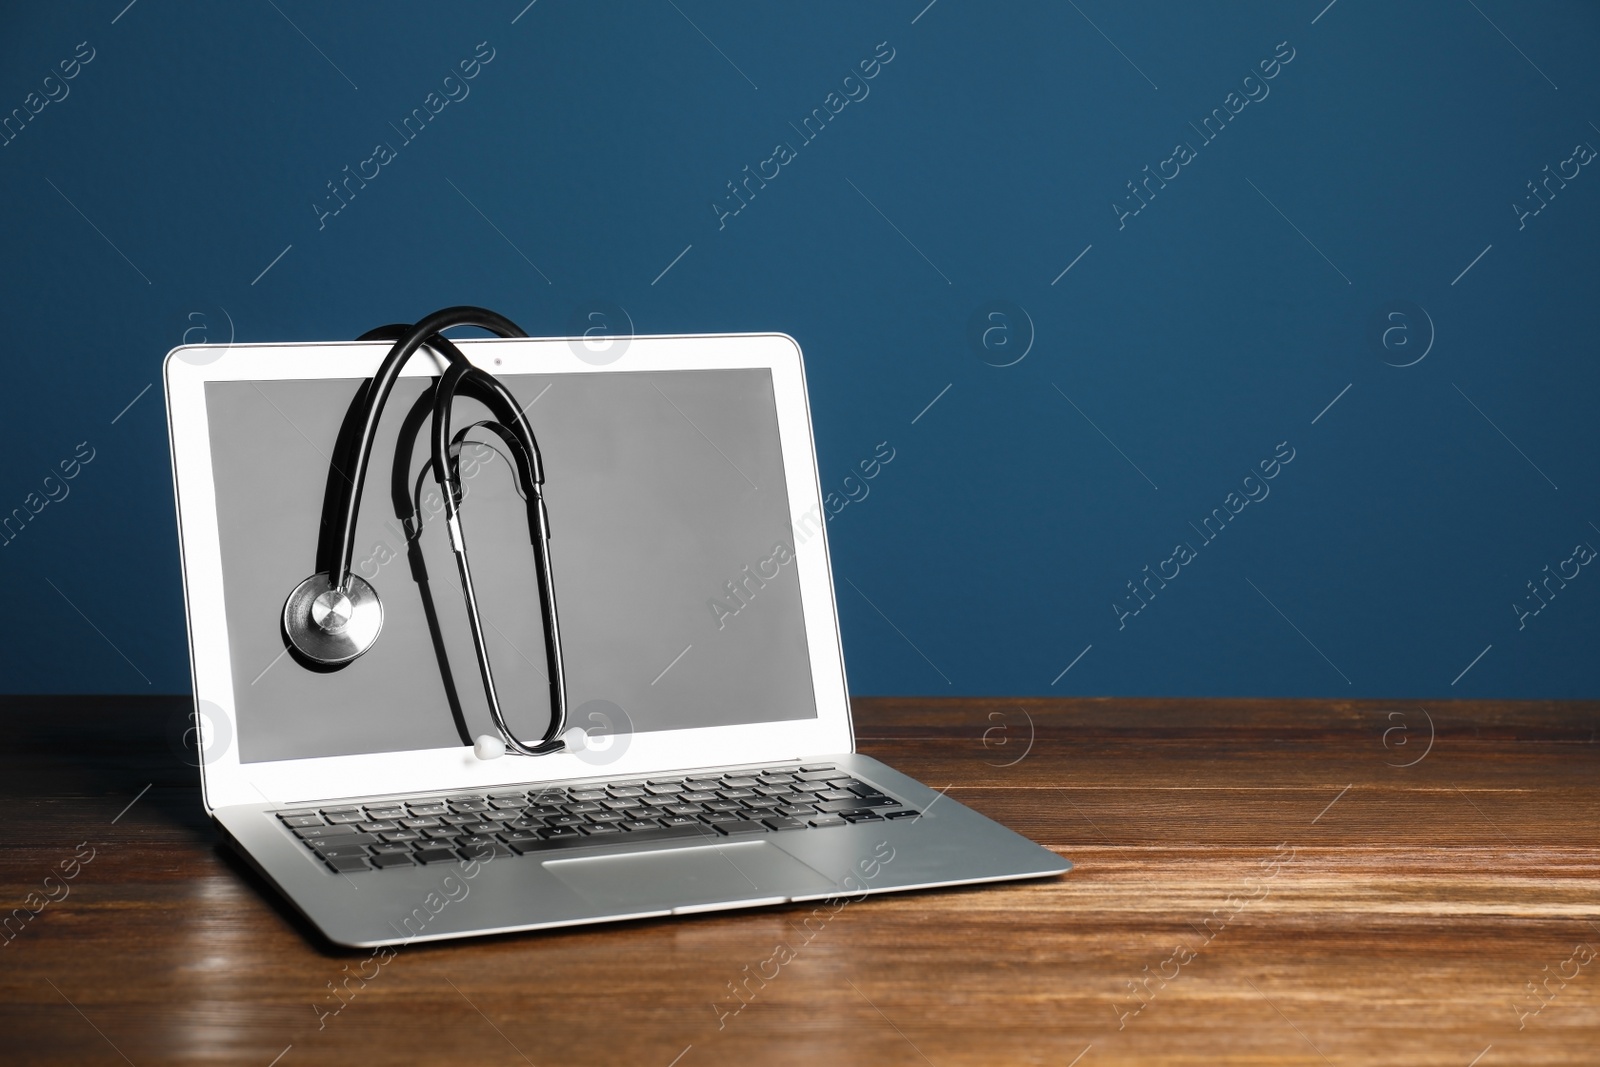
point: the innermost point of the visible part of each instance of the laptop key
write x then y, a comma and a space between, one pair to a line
742, 826
397, 837
513, 836
293, 821
555, 833
337, 817
640, 824
386, 860
853, 804
422, 823
346, 841
376, 827
348, 864
863, 815
902, 813
524, 846
620, 837
435, 854
334, 852
315, 833
783, 823
682, 832
826, 820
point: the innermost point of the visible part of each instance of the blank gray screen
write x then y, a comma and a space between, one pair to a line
670, 543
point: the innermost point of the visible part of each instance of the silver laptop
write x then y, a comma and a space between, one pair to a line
710, 762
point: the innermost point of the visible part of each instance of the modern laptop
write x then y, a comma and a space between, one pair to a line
716, 768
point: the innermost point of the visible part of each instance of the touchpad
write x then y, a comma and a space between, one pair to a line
681, 878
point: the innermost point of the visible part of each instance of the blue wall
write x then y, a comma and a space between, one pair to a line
1358, 212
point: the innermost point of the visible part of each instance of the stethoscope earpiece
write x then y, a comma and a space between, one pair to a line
488, 746
332, 626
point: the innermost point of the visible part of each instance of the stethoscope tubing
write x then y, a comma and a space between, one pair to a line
530, 470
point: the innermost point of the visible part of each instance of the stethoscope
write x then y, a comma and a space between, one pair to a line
333, 617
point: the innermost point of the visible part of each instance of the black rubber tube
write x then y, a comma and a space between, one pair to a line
379, 387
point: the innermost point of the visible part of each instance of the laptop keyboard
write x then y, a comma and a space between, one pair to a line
508, 822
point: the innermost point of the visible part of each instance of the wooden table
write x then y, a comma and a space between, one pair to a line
1257, 882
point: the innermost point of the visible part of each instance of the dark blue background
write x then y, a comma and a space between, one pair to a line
1196, 338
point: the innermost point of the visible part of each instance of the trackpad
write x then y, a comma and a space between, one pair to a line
684, 877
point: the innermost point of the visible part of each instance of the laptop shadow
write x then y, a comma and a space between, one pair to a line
126, 758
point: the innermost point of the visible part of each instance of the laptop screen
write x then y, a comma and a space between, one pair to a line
671, 548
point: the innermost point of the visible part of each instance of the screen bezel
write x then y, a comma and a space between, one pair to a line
226, 781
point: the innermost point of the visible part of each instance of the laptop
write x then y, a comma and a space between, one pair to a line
712, 763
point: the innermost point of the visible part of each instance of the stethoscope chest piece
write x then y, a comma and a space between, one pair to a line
332, 626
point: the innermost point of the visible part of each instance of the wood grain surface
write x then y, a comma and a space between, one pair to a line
1301, 882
